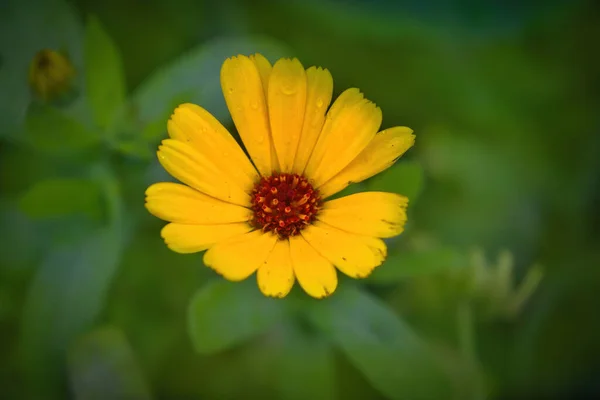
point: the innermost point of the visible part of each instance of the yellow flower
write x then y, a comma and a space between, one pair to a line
271, 215
50, 74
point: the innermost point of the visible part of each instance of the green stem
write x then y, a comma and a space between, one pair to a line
466, 339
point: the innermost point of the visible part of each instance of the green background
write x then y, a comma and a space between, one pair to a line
491, 292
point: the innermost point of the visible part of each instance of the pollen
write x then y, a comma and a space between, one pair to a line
293, 201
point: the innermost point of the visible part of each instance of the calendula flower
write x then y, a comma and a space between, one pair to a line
50, 74
270, 214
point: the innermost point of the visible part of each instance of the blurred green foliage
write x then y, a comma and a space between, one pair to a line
504, 105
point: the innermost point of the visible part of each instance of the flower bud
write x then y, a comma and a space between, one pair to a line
50, 74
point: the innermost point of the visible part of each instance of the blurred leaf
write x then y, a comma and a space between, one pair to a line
163, 282
526, 289
32, 167
51, 131
306, 366
195, 77
223, 314
351, 189
65, 297
158, 128
390, 355
57, 197
401, 265
102, 365
104, 73
405, 178
67, 293
54, 25
21, 238
136, 148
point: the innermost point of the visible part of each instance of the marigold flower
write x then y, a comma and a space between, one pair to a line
270, 215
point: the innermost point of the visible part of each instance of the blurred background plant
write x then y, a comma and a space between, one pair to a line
502, 98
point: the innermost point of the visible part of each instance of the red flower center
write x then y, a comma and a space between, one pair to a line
284, 204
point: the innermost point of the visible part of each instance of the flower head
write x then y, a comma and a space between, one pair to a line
272, 215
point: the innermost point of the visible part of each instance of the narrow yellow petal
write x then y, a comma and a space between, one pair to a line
196, 170
318, 98
179, 203
197, 127
287, 105
183, 238
377, 214
351, 124
238, 258
264, 69
245, 97
314, 272
276, 277
381, 153
354, 255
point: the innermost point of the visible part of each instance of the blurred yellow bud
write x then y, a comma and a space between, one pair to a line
50, 74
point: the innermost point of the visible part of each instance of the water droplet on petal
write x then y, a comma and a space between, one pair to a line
319, 102
254, 104
230, 90
288, 87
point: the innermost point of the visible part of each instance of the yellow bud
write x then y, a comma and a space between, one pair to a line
50, 74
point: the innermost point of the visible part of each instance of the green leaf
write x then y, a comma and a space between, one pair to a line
64, 298
21, 238
401, 265
223, 314
135, 147
158, 128
194, 77
306, 365
349, 190
50, 131
68, 292
102, 365
54, 25
105, 79
58, 197
405, 178
389, 354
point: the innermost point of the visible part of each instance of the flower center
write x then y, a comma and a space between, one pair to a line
284, 204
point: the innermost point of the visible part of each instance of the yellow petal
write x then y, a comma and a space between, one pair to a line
196, 170
275, 277
377, 214
245, 97
197, 127
179, 203
287, 104
184, 238
264, 69
351, 124
237, 258
319, 92
381, 153
354, 255
315, 274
